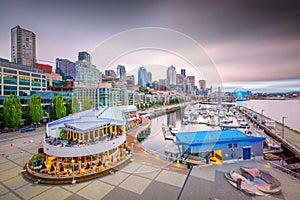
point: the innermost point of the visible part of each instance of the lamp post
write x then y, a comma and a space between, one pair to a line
283, 126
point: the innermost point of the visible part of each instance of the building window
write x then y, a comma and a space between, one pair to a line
230, 146
235, 145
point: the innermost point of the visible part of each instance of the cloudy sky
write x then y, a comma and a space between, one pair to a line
251, 42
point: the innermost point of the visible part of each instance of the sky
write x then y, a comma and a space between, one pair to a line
252, 43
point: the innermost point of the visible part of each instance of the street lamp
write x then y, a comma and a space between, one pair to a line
283, 126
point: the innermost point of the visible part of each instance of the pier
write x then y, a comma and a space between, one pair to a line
289, 141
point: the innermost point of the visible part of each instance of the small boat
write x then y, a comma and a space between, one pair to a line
272, 185
246, 185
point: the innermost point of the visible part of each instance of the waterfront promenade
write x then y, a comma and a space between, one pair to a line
146, 177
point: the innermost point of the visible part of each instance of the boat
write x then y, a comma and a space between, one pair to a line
246, 185
272, 185
229, 126
185, 119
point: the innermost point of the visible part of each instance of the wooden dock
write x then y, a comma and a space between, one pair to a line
167, 133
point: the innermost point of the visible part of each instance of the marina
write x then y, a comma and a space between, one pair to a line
205, 117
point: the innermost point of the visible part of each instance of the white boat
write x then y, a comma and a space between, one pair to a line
231, 125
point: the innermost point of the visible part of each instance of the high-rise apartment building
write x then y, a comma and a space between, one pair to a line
66, 68
23, 46
142, 77
121, 73
191, 80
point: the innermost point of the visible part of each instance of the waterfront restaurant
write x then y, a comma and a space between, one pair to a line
219, 145
84, 143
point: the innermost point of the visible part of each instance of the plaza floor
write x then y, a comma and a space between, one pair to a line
141, 179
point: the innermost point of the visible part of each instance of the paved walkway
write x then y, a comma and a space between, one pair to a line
145, 178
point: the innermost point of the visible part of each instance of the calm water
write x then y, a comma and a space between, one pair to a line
155, 142
275, 109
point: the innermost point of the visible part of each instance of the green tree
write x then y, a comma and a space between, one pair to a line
72, 105
60, 109
87, 104
57, 109
27, 116
12, 111
35, 108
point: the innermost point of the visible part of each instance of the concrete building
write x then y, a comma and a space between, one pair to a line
130, 80
171, 76
142, 77
20, 79
191, 80
149, 79
23, 46
66, 68
44, 67
121, 73
202, 84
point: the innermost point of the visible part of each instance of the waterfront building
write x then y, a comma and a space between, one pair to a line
142, 77
66, 68
183, 72
171, 76
121, 73
219, 145
89, 142
112, 96
44, 67
83, 55
23, 46
20, 79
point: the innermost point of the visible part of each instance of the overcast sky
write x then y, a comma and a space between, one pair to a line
247, 40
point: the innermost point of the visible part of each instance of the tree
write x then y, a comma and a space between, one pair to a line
35, 108
87, 104
57, 109
72, 105
12, 111
60, 109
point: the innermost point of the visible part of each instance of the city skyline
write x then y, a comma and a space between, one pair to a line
249, 42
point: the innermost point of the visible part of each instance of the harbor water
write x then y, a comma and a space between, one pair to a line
276, 109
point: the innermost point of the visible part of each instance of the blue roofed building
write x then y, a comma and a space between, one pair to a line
219, 145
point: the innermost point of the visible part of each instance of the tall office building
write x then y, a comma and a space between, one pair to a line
202, 84
142, 77
130, 80
171, 76
121, 73
191, 80
23, 47
183, 72
66, 68
149, 79
83, 55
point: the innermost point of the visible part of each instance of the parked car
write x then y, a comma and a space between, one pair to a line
23, 130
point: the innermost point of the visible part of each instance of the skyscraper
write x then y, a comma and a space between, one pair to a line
121, 73
66, 68
83, 55
23, 47
202, 84
183, 72
142, 77
191, 80
171, 76
149, 79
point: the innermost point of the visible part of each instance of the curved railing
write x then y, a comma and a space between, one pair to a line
88, 149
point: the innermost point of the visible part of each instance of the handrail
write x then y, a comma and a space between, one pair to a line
286, 170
